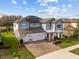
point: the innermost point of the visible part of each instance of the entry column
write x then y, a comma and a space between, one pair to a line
52, 36
49, 37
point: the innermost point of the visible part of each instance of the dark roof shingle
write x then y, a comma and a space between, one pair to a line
24, 32
29, 19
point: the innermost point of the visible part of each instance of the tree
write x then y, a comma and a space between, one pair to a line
8, 20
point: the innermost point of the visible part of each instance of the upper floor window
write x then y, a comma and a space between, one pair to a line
48, 26
33, 25
58, 26
23, 25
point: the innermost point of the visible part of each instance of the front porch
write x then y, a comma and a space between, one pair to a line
55, 37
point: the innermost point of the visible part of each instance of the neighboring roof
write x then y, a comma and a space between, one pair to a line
23, 32
29, 19
71, 28
65, 20
57, 21
48, 20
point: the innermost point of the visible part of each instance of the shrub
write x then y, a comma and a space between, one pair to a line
12, 50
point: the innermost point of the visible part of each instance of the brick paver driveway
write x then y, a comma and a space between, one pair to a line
41, 47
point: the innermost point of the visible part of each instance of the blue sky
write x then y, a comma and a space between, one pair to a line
41, 8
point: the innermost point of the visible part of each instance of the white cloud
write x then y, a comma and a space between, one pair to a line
53, 10
17, 7
14, 2
73, 0
5, 12
69, 5
63, 6
45, 2
33, 9
64, 10
27, 8
42, 11
49, 10
24, 2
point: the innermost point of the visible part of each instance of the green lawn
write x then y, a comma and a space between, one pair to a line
75, 51
68, 42
24, 54
10, 40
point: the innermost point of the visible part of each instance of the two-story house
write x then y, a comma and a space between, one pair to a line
32, 28
29, 29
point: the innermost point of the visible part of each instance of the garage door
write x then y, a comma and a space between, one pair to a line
34, 37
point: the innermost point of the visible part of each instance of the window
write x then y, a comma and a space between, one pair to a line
23, 25
34, 25
48, 26
58, 26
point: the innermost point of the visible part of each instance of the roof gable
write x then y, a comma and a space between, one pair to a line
69, 28
48, 20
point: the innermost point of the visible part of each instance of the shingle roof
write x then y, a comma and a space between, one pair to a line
23, 32
65, 20
47, 20
29, 18
71, 28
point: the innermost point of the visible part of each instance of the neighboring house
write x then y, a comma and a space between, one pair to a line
32, 28
69, 26
69, 31
70, 22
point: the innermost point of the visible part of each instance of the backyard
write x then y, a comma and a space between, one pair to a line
68, 42
11, 41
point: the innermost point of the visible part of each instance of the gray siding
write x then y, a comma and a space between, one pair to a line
57, 24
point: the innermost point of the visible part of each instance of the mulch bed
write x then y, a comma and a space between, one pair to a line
21, 48
3, 52
4, 47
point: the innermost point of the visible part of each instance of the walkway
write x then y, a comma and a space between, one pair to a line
41, 48
61, 54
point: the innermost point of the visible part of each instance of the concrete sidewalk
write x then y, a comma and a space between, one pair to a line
61, 54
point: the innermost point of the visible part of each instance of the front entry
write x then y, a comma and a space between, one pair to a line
49, 36
58, 35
